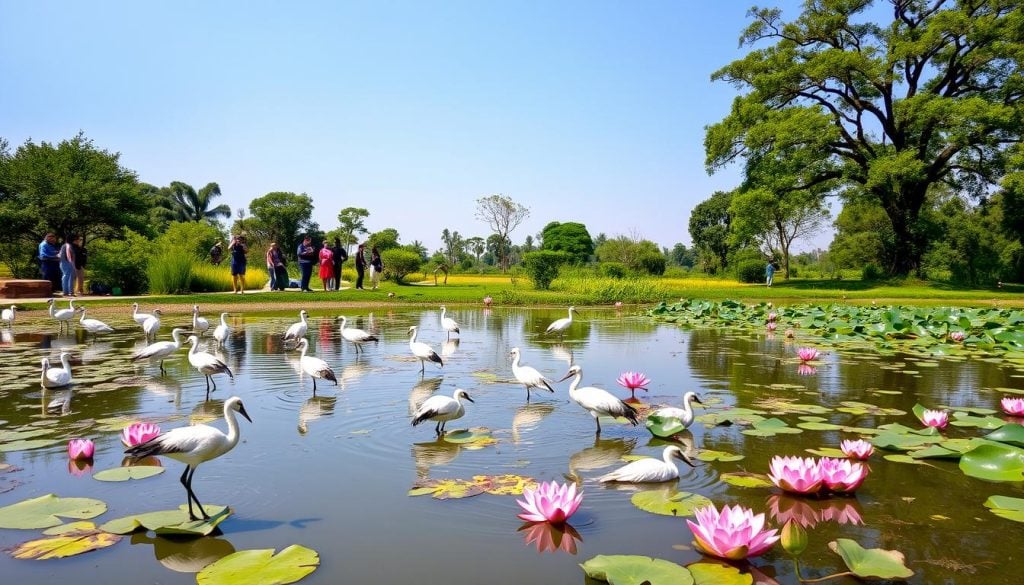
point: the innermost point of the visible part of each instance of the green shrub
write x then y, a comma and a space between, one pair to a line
602, 290
209, 278
750, 270
121, 264
871, 271
170, 272
194, 238
613, 269
652, 263
399, 263
542, 266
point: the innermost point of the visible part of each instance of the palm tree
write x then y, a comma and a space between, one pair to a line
184, 203
477, 245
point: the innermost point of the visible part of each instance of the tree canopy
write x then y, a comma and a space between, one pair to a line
282, 217
353, 223
571, 238
183, 203
709, 230
503, 216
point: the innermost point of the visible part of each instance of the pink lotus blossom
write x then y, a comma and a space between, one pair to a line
859, 449
487, 301
808, 353
806, 370
772, 326
795, 474
772, 316
618, 304
550, 502
935, 418
81, 449
549, 537
139, 433
1013, 406
735, 534
957, 336
634, 381
80, 467
842, 475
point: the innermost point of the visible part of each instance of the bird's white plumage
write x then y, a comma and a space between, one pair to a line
199, 324
447, 323
297, 330
159, 350
222, 331
560, 325
7, 316
94, 326
421, 350
527, 375
596, 401
207, 364
63, 316
354, 335
684, 414
54, 377
152, 324
649, 469
139, 318
314, 366
441, 409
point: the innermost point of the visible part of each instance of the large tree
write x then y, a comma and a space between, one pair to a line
183, 203
282, 217
353, 223
569, 237
454, 246
931, 96
503, 215
709, 230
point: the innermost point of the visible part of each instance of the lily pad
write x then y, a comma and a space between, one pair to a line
1012, 434
667, 503
261, 566
470, 438
963, 419
168, 522
994, 462
903, 459
447, 489
712, 455
1006, 507
664, 426
73, 539
28, 444
827, 452
746, 479
770, 427
46, 511
505, 485
709, 573
636, 570
819, 426
126, 473
854, 407
875, 563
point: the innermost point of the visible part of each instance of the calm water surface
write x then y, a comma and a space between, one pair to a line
332, 471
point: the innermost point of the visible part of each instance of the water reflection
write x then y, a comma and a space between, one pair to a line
808, 513
80, 467
428, 455
314, 408
186, 555
421, 391
59, 404
603, 453
529, 416
563, 353
352, 373
207, 411
450, 346
547, 537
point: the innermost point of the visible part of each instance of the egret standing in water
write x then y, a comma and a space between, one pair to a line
94, 326
315, 367
597, 401
650, 469
195, 445
441, 409
528, 376
8, 316
138, 317
559, 326
199, 324
297, 330
152, 324
448, 324
222, 331
684, 414
161, 349
206, 363
63, 316
422, 351
357, 336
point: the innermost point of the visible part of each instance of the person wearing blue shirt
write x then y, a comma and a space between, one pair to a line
769, 273
49, 260
307, 255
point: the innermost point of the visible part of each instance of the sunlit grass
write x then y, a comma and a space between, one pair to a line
209, 278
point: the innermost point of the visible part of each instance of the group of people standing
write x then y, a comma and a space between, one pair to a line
64, 265
330, 260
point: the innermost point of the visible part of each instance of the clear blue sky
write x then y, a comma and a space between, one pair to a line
589, 111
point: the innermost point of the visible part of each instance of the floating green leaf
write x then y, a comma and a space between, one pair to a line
126, 473
261, 566
770, 427
664, 427
861, 408
470, 438
507, 484
1012, 434
712, 455
819, 426
875, 563
827, 452
903, 459
746, 479
636, 570
28, 444
1006, 507
994, 462
447, 489
669, 503
70, 540
46, 511
962, 419
168, 522
711, 573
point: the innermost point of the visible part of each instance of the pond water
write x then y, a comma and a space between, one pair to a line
332, 472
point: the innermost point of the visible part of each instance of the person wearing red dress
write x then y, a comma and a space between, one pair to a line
327, 267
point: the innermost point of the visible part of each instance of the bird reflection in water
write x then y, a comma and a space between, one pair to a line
562, 353
207, 411
604, 453
352, 372
56, 402
314, 408
547, 537
421, 391
529, 416
433, 454
186, 556
449, 347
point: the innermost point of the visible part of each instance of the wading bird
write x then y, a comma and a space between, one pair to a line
161, 349
597, 401
684, 414
54, 377
152, 325
559, 326
63, 316
422, 351
199, 324
441, 409
448, 324
8, 316
139, 318
297, 330
195, 445
94, 326
357, 336
315, 367
206, 363
222, 331
528, 376
650, 469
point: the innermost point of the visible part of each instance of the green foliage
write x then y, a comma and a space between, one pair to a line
182, 202
571, 238
652, 263
709, 230
613, 269
193, 239
385, 239
542, 266
634, 253
399, 263
581, 288
281, 217
170, 271
121, 263
503, 215
209, 278
353, 223
750, 271
871, 271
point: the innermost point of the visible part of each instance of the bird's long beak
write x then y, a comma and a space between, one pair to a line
241, 411
686, 458
697, 399
469, 399
567, 376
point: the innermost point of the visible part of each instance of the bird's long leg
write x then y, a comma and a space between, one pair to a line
437, 429
214, 382
188, 493
527, 393
598, 421
193, 494
162, 370
314, 384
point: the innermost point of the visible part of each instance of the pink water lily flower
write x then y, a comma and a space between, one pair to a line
139, 433
799, 475
859, 449
487, 301
634, 381
957, 336
842, 475
1013, 406
550, 502
735, 534
771, 326
772, 316
806, 370
618, 304
81, 449
807, 353
935, 418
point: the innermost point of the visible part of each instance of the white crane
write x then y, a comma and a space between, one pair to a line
152, 324
297, 330
650, 469
315, 367
94, 326
448, 324
357, 336
206, 363
596, 401
441, 409
63, 316
161, 349
199, 324
139, 318
528, 376
56, 377
422, 351
222, 331
193, 446
559, 326
684, 414
7, 316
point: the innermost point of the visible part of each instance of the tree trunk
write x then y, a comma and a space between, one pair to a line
905, 213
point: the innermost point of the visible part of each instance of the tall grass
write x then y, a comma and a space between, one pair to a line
209, 278
583, 288
170, 272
